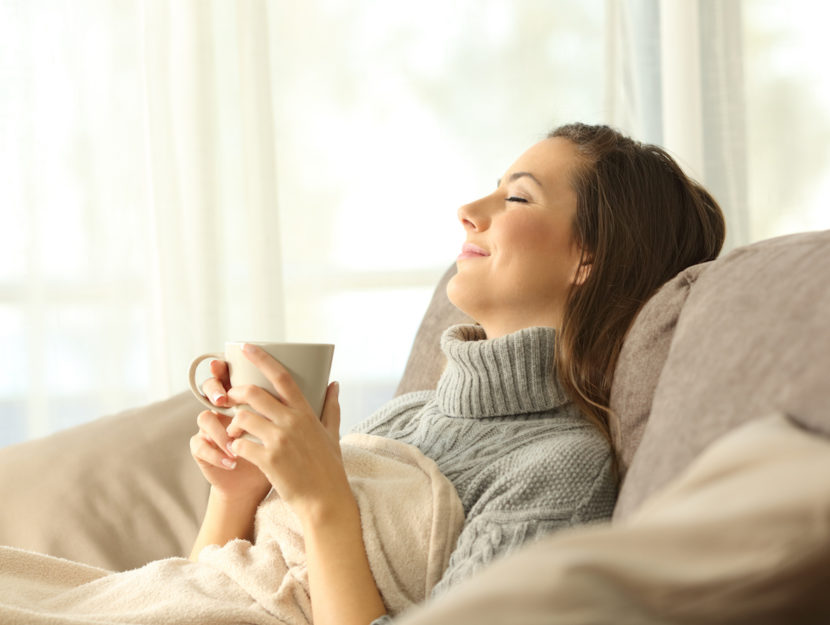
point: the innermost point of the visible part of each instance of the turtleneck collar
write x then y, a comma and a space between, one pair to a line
509, 375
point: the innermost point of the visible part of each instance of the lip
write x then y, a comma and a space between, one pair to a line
468, 250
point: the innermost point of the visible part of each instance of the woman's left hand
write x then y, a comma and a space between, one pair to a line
300, 454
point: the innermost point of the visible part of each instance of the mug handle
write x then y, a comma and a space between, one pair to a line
191, 378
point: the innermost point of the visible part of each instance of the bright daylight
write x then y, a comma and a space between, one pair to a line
372, 312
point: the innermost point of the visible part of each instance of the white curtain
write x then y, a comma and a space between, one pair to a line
177, 173
138, 194
739, 92
216, 262
675, 78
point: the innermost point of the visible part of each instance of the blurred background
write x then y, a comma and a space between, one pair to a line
178, 173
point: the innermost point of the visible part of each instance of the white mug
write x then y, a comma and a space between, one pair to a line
308, 363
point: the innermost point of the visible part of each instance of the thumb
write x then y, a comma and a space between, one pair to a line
331, 411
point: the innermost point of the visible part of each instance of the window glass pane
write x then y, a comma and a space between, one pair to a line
95, 362
13, 424
788, 115
79, 337
13, 363
14, 370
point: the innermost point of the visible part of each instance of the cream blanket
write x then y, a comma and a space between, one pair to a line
411, 518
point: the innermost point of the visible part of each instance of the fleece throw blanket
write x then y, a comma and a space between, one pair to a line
411, 518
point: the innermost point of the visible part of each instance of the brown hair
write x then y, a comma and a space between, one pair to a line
639, 221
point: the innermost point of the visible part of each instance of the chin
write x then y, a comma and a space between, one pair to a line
459, 295
451, 289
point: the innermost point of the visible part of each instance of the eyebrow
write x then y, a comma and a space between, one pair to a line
521, 174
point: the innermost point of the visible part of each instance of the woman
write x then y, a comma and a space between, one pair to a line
580, 232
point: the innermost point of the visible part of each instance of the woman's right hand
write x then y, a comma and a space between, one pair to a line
231, 476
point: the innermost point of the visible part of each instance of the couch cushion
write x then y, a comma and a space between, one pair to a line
739, 537
641, 361
116, 492
753, 336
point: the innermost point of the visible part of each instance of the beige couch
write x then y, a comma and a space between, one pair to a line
722, 412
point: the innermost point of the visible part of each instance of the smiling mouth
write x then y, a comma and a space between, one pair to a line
468, 250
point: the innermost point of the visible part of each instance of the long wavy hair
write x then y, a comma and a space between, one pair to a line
639, 221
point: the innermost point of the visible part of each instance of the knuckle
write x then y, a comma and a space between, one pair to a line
273, 454
198, 446
245, 392
242, 418
282, 377
278, 439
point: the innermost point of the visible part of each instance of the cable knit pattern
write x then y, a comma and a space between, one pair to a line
522, 458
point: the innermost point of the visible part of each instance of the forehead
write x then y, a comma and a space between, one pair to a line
550, 161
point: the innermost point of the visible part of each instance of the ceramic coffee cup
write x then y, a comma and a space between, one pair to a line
308, 363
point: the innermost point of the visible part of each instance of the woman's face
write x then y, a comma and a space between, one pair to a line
520, 258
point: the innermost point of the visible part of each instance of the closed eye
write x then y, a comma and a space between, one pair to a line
514, 198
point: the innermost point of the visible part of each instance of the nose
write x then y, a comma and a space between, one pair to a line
475, 215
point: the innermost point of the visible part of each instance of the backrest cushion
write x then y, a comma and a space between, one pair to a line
753, 336
641, 361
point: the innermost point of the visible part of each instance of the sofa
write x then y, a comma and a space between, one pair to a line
720, 419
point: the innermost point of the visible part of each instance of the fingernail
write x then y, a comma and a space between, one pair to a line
230, 449
231, 464
248, 348
217, 397
337, 389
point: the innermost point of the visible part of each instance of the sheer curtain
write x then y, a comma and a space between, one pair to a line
175, 173
739, 92
137, 184
676, 79
215, 270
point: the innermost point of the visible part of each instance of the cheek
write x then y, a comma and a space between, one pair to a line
545, 244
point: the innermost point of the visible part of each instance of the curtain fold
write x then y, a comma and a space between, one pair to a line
139, 199
214, 226
675, 78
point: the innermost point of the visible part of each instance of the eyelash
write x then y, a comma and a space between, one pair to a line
513, 198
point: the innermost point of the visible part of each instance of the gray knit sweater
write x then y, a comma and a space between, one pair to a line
522, 458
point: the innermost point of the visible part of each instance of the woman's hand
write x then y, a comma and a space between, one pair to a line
299, 454
232, 478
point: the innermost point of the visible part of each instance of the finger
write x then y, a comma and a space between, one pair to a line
253, 452
204, 450
215, 392
331, 411
249, 422
212, 427
258, 399
219, 368
276, 374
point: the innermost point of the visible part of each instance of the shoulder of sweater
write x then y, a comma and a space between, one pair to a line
564, 430
575, 447
546, 472
395, 407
